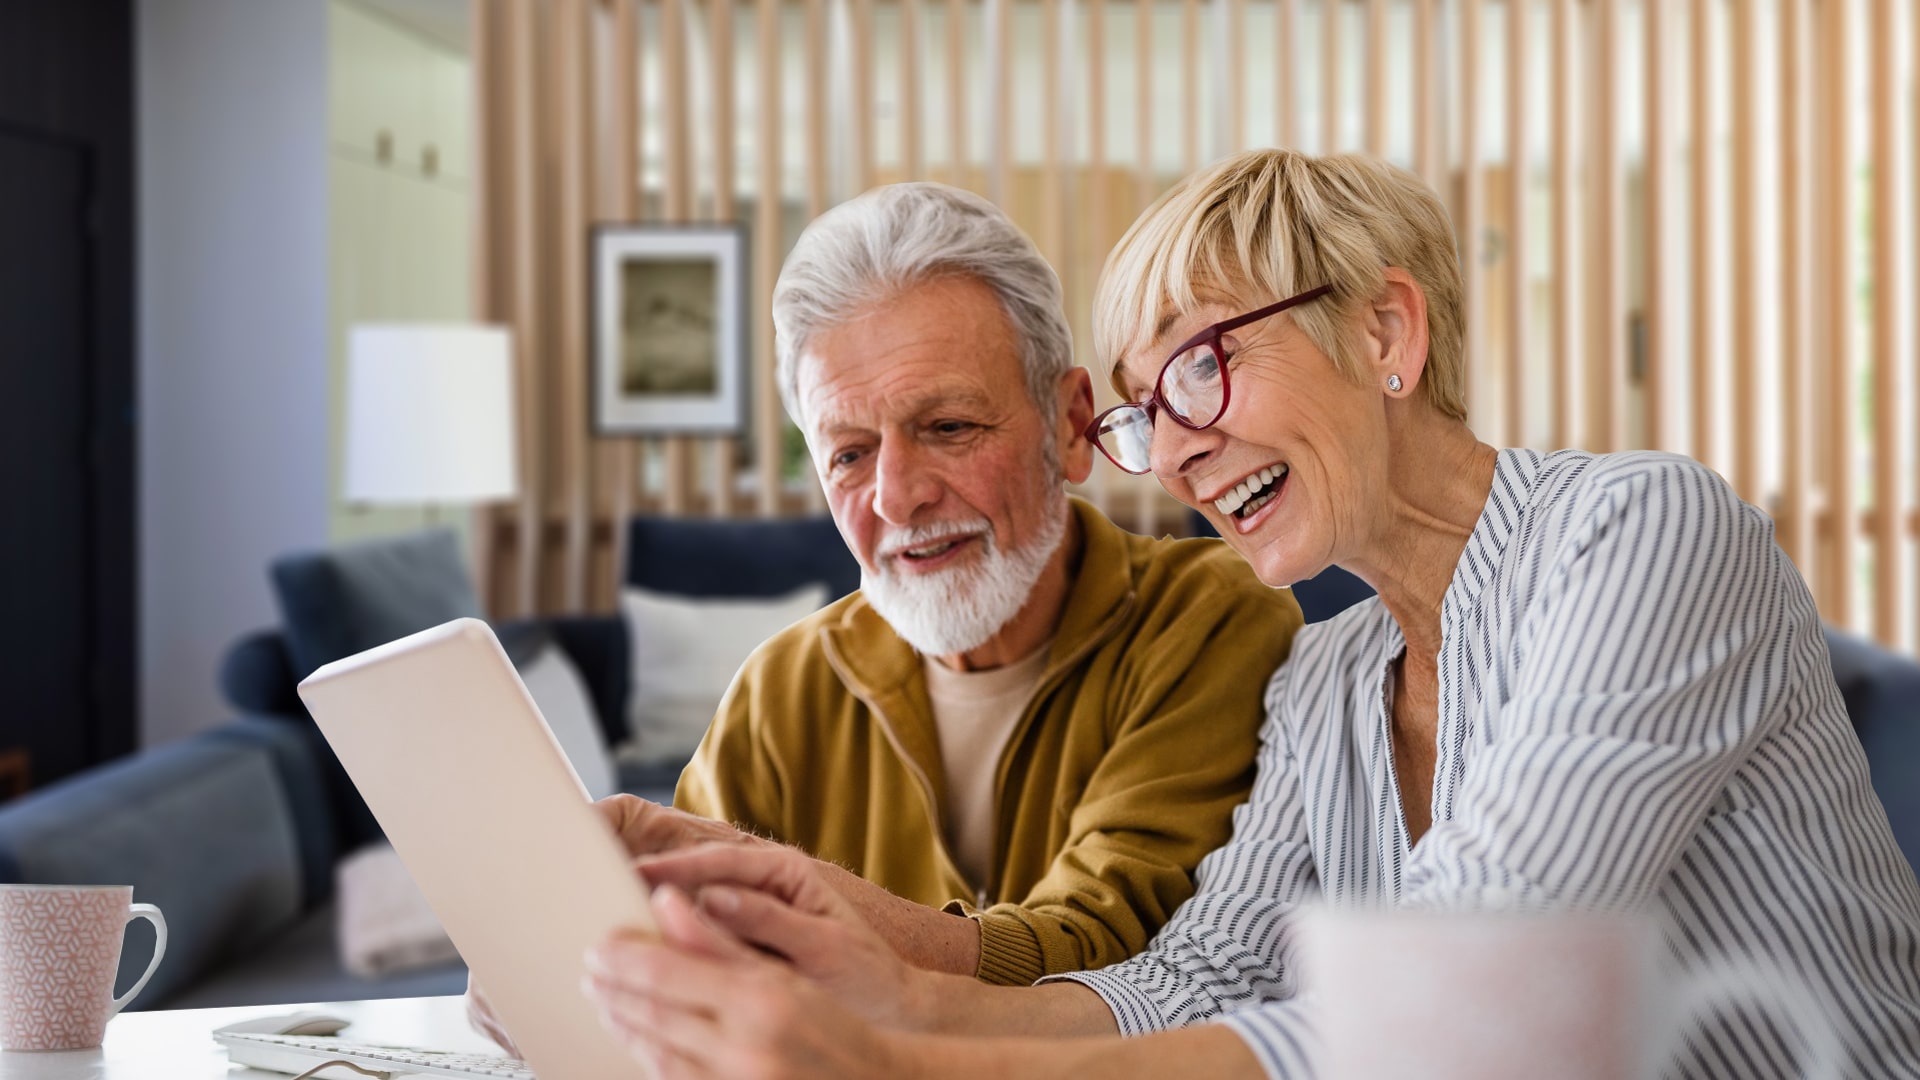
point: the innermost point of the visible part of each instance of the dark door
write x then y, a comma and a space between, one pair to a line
46, 602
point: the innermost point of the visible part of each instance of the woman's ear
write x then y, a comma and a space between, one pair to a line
1396, 333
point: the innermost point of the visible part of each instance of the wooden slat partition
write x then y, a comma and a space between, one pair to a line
1703, 302
1566, 297
1836, 228
1606, 366
1889, 350
769, 199
1743, 234
1519, 235
1657, 172
1730, 277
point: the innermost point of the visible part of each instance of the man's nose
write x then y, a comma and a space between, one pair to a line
903, 484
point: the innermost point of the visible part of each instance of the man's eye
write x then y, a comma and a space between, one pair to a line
844, 458
952, 427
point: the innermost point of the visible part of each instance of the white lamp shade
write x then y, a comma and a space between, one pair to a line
429, 414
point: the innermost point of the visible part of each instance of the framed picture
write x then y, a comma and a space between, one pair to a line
669, 329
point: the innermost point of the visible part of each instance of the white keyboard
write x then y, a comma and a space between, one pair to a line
295, 1054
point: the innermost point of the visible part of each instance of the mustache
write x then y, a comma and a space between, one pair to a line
921, 535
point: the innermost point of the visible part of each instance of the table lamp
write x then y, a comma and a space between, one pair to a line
429, 414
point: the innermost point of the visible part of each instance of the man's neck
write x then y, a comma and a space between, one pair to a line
1035, 623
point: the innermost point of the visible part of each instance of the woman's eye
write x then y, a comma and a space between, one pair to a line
1201, 365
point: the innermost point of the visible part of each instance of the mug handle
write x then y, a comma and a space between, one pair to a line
1726, 984
152, 915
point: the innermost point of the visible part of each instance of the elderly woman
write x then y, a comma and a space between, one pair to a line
1586, 682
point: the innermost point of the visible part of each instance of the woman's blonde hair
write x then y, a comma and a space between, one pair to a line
1267, 224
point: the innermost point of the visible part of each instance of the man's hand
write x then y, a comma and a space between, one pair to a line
699, 1003
786, 903
648, 828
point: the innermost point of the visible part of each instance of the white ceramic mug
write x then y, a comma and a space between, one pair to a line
1491, 996
59, 951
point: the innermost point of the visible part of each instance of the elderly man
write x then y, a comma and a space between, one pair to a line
1012, 746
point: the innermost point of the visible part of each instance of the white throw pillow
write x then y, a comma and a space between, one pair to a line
686, 651
561, 693
384, 926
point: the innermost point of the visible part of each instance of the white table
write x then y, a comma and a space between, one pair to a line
178, 1044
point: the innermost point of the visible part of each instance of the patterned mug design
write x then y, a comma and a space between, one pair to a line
59, 950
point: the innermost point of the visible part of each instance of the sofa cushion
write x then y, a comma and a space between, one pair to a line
1881, 690
201, 828
738, 558
256, 676
348, 599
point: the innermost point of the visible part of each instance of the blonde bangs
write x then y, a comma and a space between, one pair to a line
1268, 224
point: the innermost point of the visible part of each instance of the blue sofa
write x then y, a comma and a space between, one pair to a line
235, 832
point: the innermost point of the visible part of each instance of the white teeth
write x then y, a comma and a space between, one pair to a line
1238, 495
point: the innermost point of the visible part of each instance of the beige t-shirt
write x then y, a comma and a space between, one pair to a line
975, 712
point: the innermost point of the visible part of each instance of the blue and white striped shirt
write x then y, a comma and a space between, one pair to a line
1636, 713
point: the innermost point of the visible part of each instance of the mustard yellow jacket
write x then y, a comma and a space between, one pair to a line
1123, 772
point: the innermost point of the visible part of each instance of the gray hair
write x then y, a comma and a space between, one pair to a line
892, 238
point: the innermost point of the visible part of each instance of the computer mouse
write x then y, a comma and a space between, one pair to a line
306, 1023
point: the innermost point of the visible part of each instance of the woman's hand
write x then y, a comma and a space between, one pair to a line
701, 1003
647, 828
780, 900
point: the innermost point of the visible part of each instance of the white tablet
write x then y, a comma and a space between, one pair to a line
452, 756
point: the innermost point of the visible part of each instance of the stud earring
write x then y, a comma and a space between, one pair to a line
1393, 383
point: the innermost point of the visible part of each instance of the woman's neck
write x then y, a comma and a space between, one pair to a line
1438, 480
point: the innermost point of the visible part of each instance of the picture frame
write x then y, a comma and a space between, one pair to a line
669, 344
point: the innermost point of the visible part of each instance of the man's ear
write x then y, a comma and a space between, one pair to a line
1396, 329
1074, 392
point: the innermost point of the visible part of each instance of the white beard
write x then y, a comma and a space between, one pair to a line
959, 610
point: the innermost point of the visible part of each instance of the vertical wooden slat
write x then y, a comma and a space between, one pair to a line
1796, 318
1190, 82
1144, 496
1426, 97
1519, 238
625, 119
861, 44
816, 42
1379, 76
1053, 225
1889, 351
1706, 260
957, 88
1099, 485
1472, 183
911, 158
768, 430
1236, 76
486, 85
725, 450
1286, 20
1837, 284
1658, 179
676, 204
1743, 234
526, 303
1566, 295
997, 44
571, 44
1606, 371
1333, 59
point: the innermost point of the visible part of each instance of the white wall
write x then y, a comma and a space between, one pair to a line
233, 330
